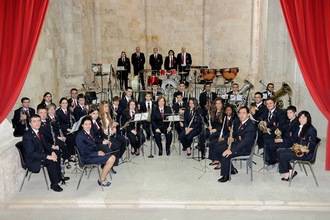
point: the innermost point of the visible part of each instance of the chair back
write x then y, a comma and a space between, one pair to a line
81, 164
318, 142
255, 144
19, 146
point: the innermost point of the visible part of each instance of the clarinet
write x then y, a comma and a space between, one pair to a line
221, 132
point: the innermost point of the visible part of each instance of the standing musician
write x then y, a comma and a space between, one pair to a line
123, 61
207, 95
46, 100
274, 119
147, 106
155, 61
305, 135
38, 152
21, 117
123, 103
192, 125
138, 61
134, 131
170, 61
184, 62
217, 146
81, 109
73, 100
240, 143
91, 153
159, 126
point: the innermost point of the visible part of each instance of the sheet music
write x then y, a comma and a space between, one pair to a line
141, 116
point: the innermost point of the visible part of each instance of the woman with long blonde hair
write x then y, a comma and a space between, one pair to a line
105, 116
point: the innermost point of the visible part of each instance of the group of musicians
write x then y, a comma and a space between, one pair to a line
105, 130
181, 63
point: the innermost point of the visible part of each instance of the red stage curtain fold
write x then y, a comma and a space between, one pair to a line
308, 22
20, 25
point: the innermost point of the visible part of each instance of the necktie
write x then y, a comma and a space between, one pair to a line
270, 115
39, 135
98, 127
162, 113
148, 107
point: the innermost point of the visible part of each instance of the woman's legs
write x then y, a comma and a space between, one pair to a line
107, 167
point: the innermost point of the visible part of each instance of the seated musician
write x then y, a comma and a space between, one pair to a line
192, 125
109, 130
134, 131
81, 109
46, 100
123, 103
147, 106
240, 143
52, 137
159, 126
233, 94
275, 118
206, 95
269, 91
21, 117
216, 146
305, 135
182, 90
156, 92
115, 108
170, 61
73, 100
91, 153
38, 152
178, 108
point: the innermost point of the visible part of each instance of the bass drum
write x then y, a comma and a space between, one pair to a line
135, 83
168, 85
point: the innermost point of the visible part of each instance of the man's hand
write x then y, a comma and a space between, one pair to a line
55, 147
226, 153
105, 142
278, 140
188, 130
169, 129
134, 131
181, 124
213, 130
62, 138
100, 153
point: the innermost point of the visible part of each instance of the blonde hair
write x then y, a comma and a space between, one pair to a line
105, 116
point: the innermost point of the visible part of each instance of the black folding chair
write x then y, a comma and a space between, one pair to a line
20, 148
309, 163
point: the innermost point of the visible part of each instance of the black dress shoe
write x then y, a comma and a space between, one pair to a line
287, 179
234, 171
65, 178
160, 154
223, 179
56, 188
217, 167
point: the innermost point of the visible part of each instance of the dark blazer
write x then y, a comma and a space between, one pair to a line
309, 139
176, 107
144, 107
157, 121
261, 112
64, 120
125, 117
126, 64
156, 63
179, 59
278, 120
87, 146
244, 137
197, 122
138, 62
167, 63
97, 132
46, 132
185, 96
292, 127
79, 112
19, 128
35, 150
204, 97
123, 103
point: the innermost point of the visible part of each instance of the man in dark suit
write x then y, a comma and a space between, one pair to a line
184, 61
124, 63
37, 152
138, 61
155, 61
207, 95
243, 138
81, 109
73, 100
260, 110
21, 117
147, 106
123, 103
182, 90
275, 119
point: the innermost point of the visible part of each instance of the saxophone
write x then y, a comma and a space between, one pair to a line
230, 138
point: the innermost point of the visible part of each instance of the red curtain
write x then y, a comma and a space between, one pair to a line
308, 22
20, 25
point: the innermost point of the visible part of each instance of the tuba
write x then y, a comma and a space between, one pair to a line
284, 90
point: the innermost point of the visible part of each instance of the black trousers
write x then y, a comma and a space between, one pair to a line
216, 149
225, 163
136, 140
270, 149
285, 155
123, 78
146, 127
54, 171
187, 139
158, 140
141, 78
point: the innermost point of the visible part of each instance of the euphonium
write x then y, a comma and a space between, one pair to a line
263, 127
300, 149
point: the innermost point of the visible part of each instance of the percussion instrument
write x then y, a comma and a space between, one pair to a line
169, 83
229, 73
208, 74
153, 80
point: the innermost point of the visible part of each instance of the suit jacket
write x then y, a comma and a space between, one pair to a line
309, 139
125, 117
123, 103
87, 146
156, 63
204, 97
167, 63
196, 123
144, 107
126, 64
138, 62
185, 96
97, 132
179, 59
261, 112
244, 137
65, 120
35, 150
278, 120
19, 127
176, 107
79, 112
157, 121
